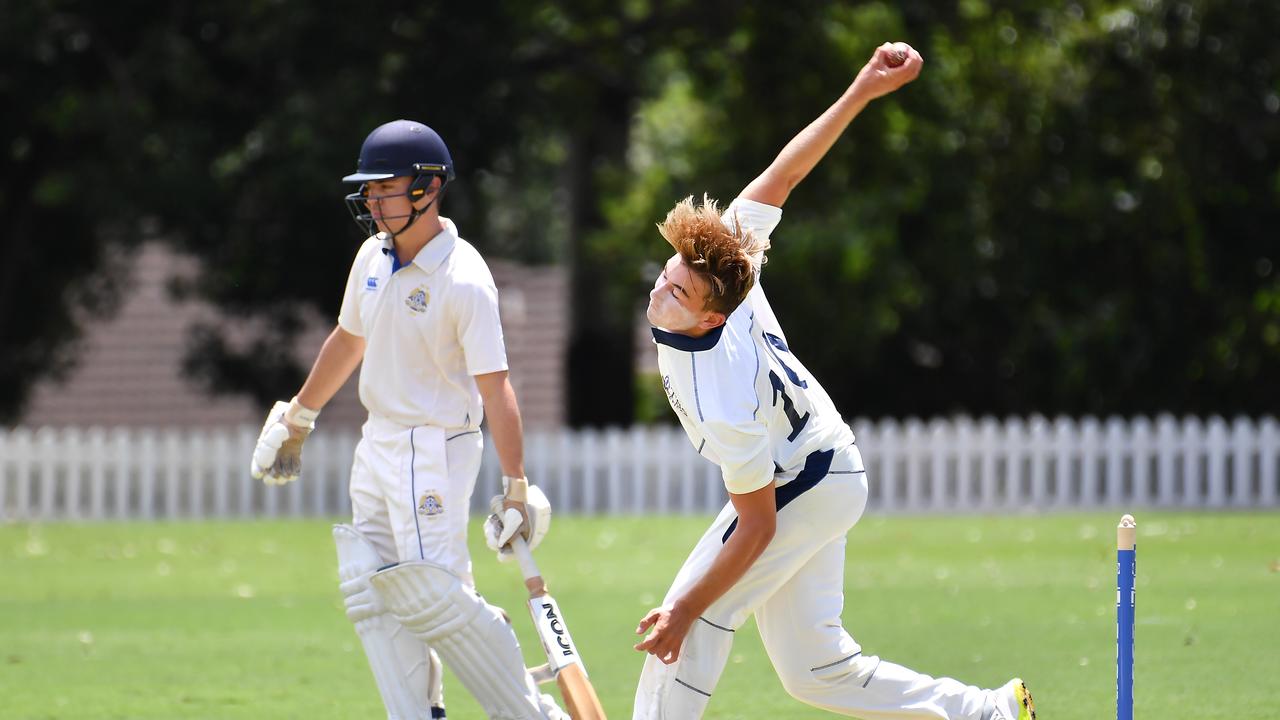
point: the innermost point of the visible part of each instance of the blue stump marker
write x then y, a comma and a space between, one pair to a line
1126, 596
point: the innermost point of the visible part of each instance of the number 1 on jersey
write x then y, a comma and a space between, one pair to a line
788, 406
775, 344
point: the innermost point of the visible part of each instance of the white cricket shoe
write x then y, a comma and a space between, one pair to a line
1013, 702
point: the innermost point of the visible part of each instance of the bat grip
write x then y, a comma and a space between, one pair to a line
532, 575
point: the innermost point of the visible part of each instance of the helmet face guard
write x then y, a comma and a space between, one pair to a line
402, 148
358, 201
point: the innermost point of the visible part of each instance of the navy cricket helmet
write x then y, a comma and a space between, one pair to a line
400, 148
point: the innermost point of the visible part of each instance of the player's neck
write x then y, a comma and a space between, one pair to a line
696, 331
410, 242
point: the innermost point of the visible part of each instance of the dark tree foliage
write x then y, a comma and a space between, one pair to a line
1072, 211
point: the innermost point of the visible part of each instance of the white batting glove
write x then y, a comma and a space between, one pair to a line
277, 458
524, 509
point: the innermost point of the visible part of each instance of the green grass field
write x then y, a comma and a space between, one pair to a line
244, 620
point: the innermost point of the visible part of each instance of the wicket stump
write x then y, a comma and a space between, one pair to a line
1126, 596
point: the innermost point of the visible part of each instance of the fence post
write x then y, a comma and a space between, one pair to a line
1216, 458
1065, 440
1268, 461
97, 472
1243, 443
1089, 447
968, 440
988, 462
640, 451
122, 455
939, 451
890, 444
1038, 446
1192, 454
1140, 439
614, 457
172, 473
1167, 449
76, 457
1014, 445
913, 449
47, 447
197, 454
663, 473
1115, 444
246, 440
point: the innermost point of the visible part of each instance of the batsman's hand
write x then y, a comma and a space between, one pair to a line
524, 509
891, 66
277, 458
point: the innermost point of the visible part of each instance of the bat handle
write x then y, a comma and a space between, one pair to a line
532, 575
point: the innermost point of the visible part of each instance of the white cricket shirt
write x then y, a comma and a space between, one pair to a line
745, 401
429, 326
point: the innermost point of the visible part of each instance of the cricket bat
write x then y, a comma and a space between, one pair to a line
563, 660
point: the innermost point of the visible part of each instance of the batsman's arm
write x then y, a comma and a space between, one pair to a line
277, 456
503, 414
338, 358
879, 76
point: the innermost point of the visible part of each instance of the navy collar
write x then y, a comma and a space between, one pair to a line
685, 343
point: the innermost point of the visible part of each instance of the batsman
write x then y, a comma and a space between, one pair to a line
796, 480
420, 311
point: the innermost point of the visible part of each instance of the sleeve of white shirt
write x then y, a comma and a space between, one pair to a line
480, 328
349, 315
758, 219
743, 449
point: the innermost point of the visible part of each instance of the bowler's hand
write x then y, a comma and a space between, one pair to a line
878, 77
670, 626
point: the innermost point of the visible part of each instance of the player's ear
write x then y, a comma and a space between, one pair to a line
429, 191
712, 321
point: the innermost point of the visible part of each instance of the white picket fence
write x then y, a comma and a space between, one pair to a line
946, 465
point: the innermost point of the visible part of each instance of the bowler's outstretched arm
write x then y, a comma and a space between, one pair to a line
878, 77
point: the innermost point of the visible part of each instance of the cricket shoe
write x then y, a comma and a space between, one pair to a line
1013, 702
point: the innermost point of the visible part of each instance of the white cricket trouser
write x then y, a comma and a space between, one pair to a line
411, 492
796, 591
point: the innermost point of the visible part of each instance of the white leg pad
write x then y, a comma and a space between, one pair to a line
408, 674
472, 637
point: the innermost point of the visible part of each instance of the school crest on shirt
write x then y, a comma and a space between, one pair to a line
430, 504
418, 299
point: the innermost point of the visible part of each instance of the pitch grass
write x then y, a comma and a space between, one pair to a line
243, 619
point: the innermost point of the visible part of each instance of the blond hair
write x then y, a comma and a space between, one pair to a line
728, 258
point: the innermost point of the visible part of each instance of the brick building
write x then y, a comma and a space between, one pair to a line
129, 369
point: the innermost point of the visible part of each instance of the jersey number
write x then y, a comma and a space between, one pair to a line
797, 420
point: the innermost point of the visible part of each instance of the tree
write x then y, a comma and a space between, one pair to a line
1070, 211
